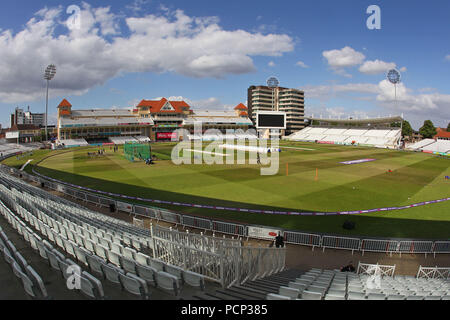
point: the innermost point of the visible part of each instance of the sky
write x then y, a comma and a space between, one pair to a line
208, 52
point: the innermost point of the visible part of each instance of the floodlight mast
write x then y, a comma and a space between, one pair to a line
49, 74
394, 77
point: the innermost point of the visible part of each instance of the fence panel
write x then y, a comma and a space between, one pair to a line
379, 245
441, 247
340, 243
92, 199
228, 228
195, 222
168, 216
415, 246
305, 239
433, 273
144, 211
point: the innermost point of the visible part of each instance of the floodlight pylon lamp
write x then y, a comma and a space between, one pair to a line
394, 76
50, 72
273, 82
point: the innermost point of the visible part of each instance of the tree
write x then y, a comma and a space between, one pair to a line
407, 129
448, 127
428, 130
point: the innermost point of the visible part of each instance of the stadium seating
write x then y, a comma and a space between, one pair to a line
385, 138
142, 138
70, 143
319, 284
122, 140
59, 222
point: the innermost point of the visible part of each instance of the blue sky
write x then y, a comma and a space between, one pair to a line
123, 52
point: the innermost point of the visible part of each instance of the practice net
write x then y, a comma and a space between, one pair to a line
137, 151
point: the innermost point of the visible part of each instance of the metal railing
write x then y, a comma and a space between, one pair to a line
376, 270
223, 262
240, 230
433, 273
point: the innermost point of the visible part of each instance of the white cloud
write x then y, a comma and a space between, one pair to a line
403, 69
447, 57
211, 103
99, 50
271, 64
346, 57
326, 92
376, 67
426, 103
301, 64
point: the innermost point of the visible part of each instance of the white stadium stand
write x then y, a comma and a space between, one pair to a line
386, 138
73, 143
142, 139
431, 145
318, 284
419, 145
122, 140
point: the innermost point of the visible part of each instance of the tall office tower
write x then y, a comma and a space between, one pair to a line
291, 101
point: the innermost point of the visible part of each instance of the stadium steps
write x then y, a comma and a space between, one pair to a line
253, 290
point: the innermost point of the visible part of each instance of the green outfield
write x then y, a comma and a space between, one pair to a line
311, 178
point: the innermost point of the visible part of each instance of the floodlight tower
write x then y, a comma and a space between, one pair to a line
273, 84
394, 77
49, 74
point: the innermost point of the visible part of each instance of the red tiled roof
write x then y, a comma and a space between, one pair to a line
20, 127
65, 103
442, 134
243, 114
156, 106
241, 106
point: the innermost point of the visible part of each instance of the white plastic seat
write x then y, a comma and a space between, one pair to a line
21, 260
395, 297
91, 286
176, 272
273, 296
432, 298
356, 296
80, 254
105, 243
95, 264
112, 272
114, 258
333, 297
128, 265
134, 285
53, 259
37, 282
89, 245
42, 251
101, 251
376, 296
289, 292
136, 244
335, 292
157, 264
309, 295
79, 239
415, 298
167, 281
194, 279
117, 248
129, 253
142, 259
298, 286
313, 288
69, 246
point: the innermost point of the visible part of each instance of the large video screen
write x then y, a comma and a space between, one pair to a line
271, 120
